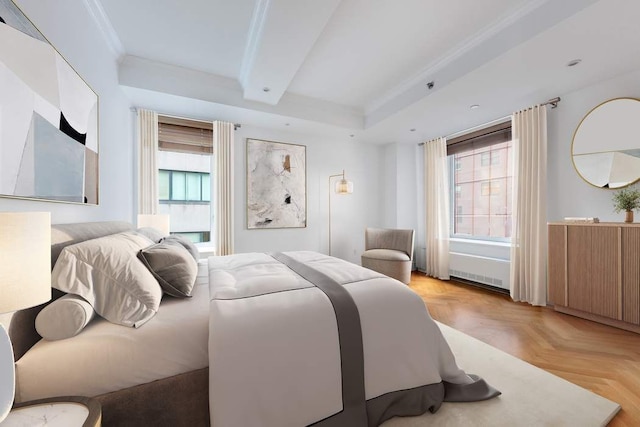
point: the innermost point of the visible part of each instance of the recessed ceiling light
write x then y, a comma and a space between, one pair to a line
412, 130
265, 89
574, 62
474, 106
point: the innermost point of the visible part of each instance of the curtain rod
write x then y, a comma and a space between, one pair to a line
553, 102
236, 126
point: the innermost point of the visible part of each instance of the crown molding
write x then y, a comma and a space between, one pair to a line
104, 24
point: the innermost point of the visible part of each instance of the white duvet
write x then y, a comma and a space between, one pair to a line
273, 340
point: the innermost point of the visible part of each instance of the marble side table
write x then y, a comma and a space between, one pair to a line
55, 412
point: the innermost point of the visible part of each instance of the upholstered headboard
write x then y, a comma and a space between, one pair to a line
21, 325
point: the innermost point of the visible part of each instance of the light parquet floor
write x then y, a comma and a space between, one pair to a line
600, 358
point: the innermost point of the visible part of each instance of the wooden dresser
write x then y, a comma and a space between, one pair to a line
594, 272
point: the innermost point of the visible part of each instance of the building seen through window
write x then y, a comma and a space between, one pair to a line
481, 183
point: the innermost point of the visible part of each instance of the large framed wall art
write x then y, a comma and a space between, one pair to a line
276, 185
48, 118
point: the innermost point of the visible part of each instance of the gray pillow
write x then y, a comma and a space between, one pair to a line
176, 239
64, 318
152, 233
107, 274
173, 266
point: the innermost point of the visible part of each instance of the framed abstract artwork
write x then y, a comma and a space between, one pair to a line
276, 184
48, 118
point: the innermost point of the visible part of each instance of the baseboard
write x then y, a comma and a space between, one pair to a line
599, 319
480, 285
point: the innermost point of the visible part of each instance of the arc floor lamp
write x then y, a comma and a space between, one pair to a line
342, 187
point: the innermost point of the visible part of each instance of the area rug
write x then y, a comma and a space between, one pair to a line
530, 396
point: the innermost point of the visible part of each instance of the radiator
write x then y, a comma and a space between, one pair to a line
486, 270
489, 271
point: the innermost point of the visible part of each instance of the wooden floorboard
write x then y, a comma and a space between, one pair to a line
600, 358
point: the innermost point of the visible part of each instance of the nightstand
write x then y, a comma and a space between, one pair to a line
56, 412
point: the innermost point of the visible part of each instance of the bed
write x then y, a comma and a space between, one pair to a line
276, 333
161, 384
303, 338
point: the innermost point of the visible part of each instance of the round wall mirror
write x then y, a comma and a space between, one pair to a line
606, 145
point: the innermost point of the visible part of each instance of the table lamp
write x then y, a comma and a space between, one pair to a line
25, 281
158, 221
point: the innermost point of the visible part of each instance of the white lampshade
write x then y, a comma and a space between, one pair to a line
344, 187
157, 221
25, 281
25, 259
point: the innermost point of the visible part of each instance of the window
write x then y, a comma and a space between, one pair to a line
488, 158
196, 236
184, 187
481, 180
485, 158
488, 188
185, 148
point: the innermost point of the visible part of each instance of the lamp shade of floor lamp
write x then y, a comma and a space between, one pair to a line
160, 222
25, 281
342, 186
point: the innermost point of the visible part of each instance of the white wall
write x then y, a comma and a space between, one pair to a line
568, 194
69, 27
400, 186
350, 214
407, 186
389, 185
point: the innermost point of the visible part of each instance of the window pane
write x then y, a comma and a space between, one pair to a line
163, 185
206, 187
193, 187
481, 225
195, 237
178, 186
464, 225
481, 186
485, 159
485, 188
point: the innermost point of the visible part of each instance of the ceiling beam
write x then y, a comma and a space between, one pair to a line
154, 76
281, 35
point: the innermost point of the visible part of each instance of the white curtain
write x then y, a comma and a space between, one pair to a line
436, 185
529, 232
148, 170
223, 188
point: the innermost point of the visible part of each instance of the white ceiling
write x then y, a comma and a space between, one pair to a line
360, 67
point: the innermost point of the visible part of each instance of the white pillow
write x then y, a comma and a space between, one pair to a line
107, 273
64, 318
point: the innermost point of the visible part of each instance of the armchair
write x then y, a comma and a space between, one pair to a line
390, 252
